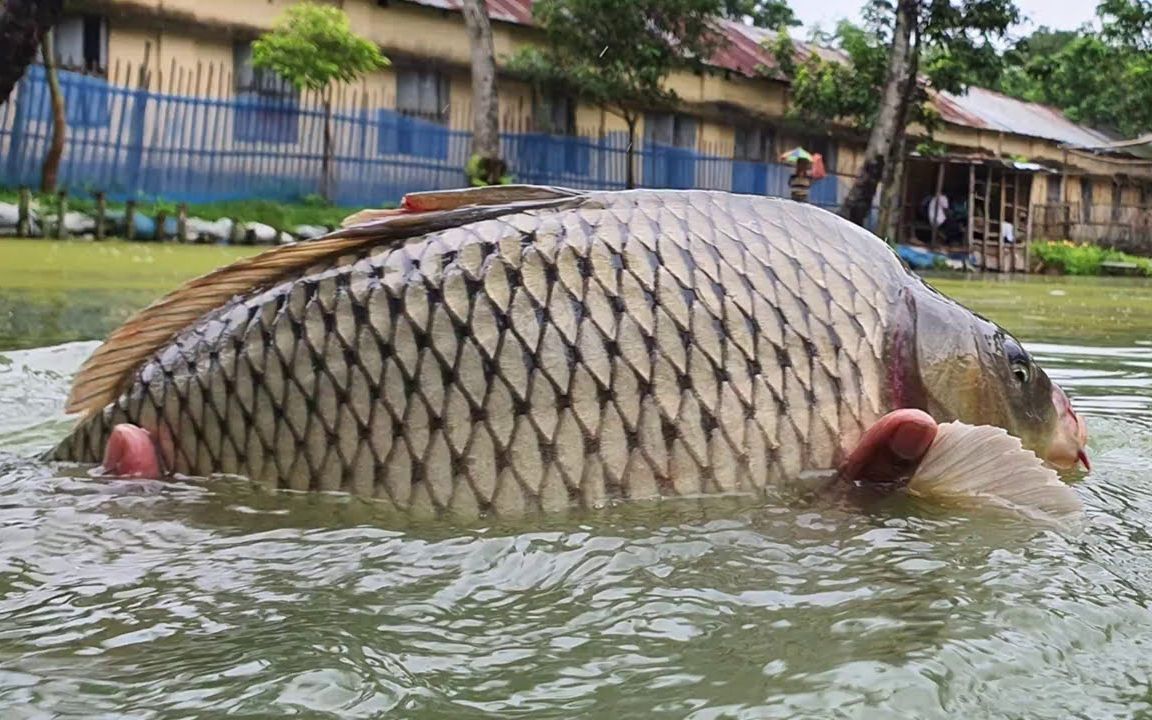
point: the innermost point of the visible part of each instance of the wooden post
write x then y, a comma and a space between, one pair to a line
1028, 245
939, 189
181, 222
61, 210
987, 216
130, 220
23, 219
971, 210
101, 212
1019, 214
161, 221
1003, 211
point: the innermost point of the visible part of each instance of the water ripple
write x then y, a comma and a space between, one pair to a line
180, 600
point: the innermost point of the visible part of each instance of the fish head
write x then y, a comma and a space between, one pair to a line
970, 369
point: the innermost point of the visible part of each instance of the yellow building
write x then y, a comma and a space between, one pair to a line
1013, 159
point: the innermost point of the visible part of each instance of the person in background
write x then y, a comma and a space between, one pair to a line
801, 181
944, 216
937, 207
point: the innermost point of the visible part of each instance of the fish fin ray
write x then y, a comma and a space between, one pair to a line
108, 370
984, 465
488, 196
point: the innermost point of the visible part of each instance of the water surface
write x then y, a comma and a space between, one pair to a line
216, 600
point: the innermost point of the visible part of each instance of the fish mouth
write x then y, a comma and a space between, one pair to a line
1068, 447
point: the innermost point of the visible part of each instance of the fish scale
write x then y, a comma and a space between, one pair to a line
639, 344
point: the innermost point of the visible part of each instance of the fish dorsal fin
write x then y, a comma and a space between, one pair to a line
984, 466
431, 200
109, 369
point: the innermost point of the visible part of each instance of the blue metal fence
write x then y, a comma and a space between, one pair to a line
130, 142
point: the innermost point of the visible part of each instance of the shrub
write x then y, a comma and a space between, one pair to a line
1083, 258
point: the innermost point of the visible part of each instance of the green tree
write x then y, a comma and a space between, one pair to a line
1127, 23
891, 61
771, 14
313, 47
1099, 77
1030, 52
617, 55
22, 25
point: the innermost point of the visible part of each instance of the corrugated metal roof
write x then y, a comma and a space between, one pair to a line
990, 110
1140, 147
745, 54
511, 11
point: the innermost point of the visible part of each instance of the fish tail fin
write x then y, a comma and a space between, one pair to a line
984, 466
109, 369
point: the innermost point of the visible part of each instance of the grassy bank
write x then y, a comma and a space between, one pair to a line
282, 216
1068, 258
54, 291
1095, 310
58, 291
38, 265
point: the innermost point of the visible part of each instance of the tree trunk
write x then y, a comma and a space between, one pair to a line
326, 160
489, 168
890, 212
51, 167
891, 208
22, 24
630, 152
859, 200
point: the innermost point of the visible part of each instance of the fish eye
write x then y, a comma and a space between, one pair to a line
1018, 360
1022, 372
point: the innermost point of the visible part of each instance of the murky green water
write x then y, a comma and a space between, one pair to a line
189, 601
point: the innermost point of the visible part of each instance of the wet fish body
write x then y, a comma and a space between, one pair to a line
564, 349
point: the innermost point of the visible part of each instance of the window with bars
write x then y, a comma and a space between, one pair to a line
268, 106
669, 150
423, 93
553, 147
826, 148
554, 114
670, 130
82, 44
81, 49
754, 144
418, 126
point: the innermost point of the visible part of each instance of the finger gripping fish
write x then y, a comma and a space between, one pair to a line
522, 348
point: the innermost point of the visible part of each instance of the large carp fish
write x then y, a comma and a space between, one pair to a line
500, 350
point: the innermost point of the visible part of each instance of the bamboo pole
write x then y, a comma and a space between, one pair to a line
61, 210
130, 220
101, 213
971, 211
23, 216
939, 189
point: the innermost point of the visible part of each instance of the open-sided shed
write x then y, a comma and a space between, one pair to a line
988, 208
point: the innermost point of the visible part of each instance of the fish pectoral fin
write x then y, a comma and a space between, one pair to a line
984, 466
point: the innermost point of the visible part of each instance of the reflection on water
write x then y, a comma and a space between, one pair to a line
49, 318
201, 600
